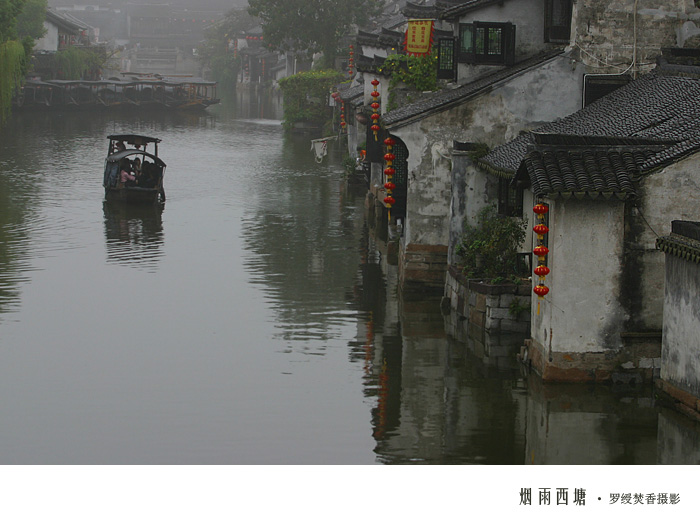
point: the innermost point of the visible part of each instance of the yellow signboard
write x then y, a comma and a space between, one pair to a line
419, 37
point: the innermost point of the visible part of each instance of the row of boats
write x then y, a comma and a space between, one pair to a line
136, 90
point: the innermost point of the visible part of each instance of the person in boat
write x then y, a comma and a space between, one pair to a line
120, 146
127, 178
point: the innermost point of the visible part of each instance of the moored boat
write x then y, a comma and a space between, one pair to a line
132, 174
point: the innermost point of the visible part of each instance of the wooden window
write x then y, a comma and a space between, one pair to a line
510, 199
557, 21
447, 63
487, 43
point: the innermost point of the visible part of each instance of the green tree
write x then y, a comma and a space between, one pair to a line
215, 51
306, 96
12, 54
30, 22
311, 25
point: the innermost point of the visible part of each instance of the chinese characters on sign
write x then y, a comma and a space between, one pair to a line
419, 37
560, 496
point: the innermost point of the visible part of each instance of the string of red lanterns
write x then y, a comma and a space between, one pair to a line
351, 61
336, 97
375, 109
541, 270
389, 171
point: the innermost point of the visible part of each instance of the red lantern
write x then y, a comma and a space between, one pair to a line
389, 171
375, 128
389, 156
540, 251
541, 290
389, 142
541, 271
375, 94
390, 186
343, 124
541, 229
375, 83
541, 209
374, 105
389, 200
375, 116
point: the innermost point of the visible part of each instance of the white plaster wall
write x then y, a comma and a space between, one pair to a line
49, 42
526, 15
604, 30
672, 194
582, 312
382, 87
680, 364
548, 92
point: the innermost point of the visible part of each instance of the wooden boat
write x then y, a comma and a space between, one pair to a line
143, 183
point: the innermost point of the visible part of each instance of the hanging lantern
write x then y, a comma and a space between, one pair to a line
541, 229
541, 290
375, 107
540, 251
541, 271
541, 209
389, 172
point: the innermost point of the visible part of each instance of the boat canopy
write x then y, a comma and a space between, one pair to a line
133, 139
118, 156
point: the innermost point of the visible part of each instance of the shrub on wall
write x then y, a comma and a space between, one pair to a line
305, 96
489, 249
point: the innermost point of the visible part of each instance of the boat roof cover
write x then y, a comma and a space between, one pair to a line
118, 156
133, 139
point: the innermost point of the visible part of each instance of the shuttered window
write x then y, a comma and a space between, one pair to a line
487, 43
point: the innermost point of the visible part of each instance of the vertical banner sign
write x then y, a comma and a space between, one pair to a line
419, 37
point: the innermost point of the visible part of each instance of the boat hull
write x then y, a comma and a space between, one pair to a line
134, 195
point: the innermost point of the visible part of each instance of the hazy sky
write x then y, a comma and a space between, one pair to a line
196, 5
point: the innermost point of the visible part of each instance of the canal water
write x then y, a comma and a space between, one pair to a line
254, 320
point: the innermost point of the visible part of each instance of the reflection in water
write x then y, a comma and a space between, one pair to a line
264, 245
300, 248
134, 235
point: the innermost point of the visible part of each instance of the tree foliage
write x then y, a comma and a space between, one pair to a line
30, 21
489, 249
311, 25
215, 51
306, 95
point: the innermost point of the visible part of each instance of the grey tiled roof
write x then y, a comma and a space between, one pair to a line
465, 7
441, 101
657, 106
579, 166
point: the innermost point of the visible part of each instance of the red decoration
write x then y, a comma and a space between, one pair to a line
541, 209
375, 128
389, 156
540, 251
390, 185
541, 290
541, 229
375, 82
389, 142
375, 94
542, 270
389, 171
374, 105
375, 116
389, 200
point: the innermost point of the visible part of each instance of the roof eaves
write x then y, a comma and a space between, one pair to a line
443, 101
